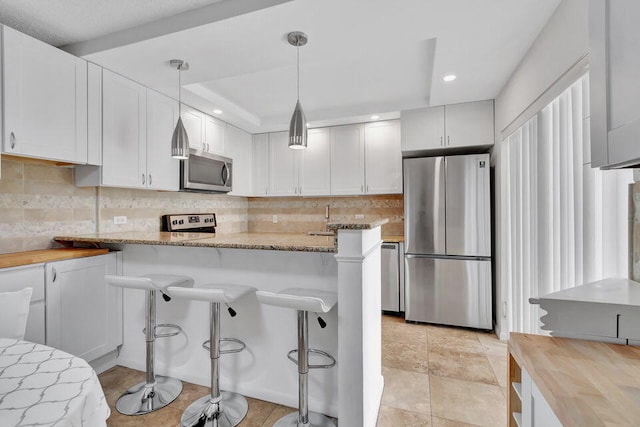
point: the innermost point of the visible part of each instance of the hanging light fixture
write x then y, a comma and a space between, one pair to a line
180, 139
298, 126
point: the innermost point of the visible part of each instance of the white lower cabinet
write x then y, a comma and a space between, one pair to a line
536, 412
83, 313
29, 276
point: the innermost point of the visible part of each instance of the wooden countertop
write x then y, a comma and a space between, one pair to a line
46, 255
263, 241
393, 238
586, 383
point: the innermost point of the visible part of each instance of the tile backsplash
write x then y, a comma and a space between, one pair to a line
39, 201
303, 214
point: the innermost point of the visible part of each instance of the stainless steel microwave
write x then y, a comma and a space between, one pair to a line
206, 173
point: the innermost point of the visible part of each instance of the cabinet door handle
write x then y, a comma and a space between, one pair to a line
441, 141
55, 274
149, 179
12, 140
143, 179
368, 189
448, 140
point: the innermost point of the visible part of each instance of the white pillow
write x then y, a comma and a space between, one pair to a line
14, 310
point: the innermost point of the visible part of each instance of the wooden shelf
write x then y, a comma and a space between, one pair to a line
518, 389
517, 417
46, 255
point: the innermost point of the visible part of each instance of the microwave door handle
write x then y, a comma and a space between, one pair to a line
225, 174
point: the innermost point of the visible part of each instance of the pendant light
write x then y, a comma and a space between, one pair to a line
298, 126
180, 139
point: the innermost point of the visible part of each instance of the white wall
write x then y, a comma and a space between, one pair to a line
561, 44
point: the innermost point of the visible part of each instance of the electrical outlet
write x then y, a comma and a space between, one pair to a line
119, 219
275, 219
359, 216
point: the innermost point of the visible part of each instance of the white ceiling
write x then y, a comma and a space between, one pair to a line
61, 22
364, 56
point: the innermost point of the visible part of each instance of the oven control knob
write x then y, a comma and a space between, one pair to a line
174, 222
206, 220
181, 222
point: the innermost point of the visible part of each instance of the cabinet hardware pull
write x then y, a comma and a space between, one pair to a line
143, 179
441, 140
12, 138
149, 179
55, 274
448, 140
368, 189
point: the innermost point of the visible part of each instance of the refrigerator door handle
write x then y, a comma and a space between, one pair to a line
443, 256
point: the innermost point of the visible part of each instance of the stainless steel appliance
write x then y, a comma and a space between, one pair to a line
390, 279
448, 240
206, 173
192, 223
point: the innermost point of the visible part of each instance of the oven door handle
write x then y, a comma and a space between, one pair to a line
225, 174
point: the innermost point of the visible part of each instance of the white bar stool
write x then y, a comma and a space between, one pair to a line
304, 301
155, 392
220, 408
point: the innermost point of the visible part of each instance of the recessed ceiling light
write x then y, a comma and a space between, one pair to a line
449, 77
375, 117
217, 111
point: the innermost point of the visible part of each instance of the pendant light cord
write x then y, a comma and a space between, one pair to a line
179, 91
298, 61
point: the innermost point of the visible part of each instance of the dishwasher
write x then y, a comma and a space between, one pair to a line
392, 297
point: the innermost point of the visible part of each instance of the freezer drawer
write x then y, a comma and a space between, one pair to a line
448, 291
390, 279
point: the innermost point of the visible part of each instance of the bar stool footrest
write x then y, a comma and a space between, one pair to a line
331, 364
173, 330
207, 345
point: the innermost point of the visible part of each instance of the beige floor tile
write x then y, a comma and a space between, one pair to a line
259, 411
443, 422
190, 393
406, 390
409, 357
393, 417
462, 365
466, 401
278, 412
499, 366
461, 341
404, 332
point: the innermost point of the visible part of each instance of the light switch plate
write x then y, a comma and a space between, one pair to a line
119, 219
275, 219
359, 216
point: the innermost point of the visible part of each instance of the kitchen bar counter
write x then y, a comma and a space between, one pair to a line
261, 241
586, 383
351, 391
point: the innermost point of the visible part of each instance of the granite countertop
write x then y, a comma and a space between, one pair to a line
263, 241
606, 291
363, 224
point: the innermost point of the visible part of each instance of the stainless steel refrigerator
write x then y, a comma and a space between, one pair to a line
447, 209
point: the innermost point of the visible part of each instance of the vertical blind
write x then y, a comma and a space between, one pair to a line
562, 223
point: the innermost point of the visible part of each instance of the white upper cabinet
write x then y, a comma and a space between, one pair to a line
260, 167
45, 100
314, 171
214, 136
283, 166
194, 123
383, 158
614, 37
446, 127
124, 132
422, 129
347, 160
163, 171
469, 124
238, 145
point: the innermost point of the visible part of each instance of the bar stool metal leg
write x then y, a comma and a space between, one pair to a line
303, 418
219, 409
155, 392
